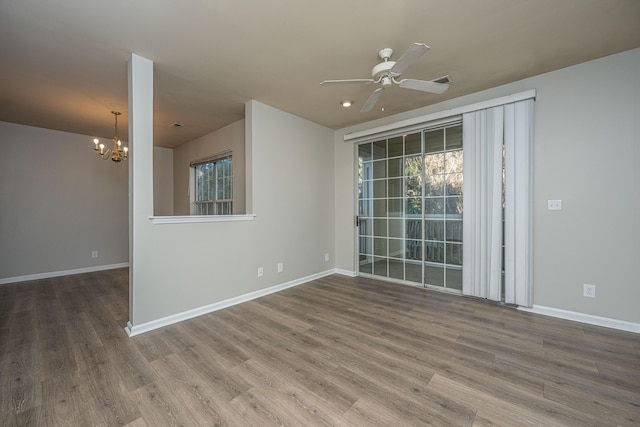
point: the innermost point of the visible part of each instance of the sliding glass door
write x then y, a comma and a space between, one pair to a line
410, 207
443, 207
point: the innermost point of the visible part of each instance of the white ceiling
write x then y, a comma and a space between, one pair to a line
64, 63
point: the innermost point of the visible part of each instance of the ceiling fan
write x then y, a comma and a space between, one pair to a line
387, 72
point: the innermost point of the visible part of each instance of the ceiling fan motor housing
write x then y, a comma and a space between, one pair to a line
382, 69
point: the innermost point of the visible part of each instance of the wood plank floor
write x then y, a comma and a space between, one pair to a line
336, 351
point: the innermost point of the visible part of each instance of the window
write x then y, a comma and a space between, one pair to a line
213, 184
410, 207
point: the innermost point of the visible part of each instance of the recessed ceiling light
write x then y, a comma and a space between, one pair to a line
347, 103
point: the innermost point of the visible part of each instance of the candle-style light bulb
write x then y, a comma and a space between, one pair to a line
101, 148
126, 152
96, 141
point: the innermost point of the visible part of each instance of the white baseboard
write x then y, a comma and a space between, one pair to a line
346, 272
584, 318
50, 274
133, 330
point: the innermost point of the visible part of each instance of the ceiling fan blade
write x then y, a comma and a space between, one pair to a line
424, 85
348, 81
410, 56
373, 98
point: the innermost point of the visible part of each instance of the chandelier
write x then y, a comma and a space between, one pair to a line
118, 153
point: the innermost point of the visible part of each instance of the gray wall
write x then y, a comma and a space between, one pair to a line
179, 267
58, 202
587, 152
230, 137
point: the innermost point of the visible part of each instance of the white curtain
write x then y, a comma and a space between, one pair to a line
485, 134
518, 142
482, 227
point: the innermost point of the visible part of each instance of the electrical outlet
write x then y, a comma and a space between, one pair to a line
260, 271
94, 254
280, 267
589, 291
554, 205
326, 257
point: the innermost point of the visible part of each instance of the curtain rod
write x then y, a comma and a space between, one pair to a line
366, 134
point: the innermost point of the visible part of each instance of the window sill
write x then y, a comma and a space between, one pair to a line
187, 219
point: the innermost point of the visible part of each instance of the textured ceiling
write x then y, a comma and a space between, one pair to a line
64, 63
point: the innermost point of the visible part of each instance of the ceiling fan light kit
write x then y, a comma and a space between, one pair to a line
387, 71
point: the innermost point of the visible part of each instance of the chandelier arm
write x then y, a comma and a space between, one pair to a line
105, 155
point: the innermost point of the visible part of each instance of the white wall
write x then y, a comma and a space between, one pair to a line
162, 181
179, 267
231, 138
58, 202
587, 153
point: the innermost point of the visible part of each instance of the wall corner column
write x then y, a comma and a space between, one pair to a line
140, 89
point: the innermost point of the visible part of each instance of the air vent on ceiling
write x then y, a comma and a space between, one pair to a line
445, 79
